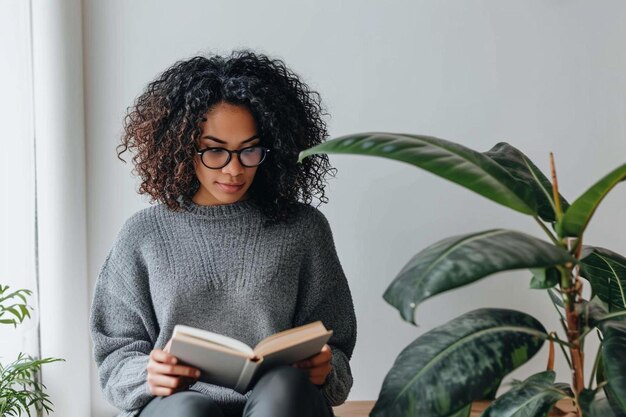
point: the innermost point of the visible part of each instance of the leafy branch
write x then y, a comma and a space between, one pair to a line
19, 386
20, 389
19, 311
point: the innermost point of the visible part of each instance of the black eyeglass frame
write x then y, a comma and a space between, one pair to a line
230, 155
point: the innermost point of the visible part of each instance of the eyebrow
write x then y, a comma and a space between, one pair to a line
224, 143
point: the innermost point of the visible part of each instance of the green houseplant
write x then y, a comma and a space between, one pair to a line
464, 360
20, 388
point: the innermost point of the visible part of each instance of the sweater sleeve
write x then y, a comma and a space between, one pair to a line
122, 324
324, 295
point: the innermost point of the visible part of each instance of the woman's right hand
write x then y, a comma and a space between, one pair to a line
165, 376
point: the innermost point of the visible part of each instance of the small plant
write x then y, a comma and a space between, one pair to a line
443, 371
20, 388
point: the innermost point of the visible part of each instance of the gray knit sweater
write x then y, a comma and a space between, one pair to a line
219, 269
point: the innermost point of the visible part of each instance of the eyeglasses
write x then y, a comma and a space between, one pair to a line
216, 158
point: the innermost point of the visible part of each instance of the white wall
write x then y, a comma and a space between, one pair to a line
42, 184
61, 201
17, 177
543, 75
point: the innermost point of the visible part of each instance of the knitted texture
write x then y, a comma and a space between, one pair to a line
219, 269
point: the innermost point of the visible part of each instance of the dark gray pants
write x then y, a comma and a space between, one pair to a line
282, 392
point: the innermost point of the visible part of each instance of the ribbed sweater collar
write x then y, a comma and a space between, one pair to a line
219, 210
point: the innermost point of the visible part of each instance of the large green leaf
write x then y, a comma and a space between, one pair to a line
606, 272
532, 398
446, 159
522, 168
461, 260
461, 361
580, 212
614, 361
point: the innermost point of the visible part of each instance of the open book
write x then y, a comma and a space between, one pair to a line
230, 363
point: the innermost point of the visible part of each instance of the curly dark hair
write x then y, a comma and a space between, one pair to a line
163, 125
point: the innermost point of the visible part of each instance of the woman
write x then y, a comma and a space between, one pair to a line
233, 247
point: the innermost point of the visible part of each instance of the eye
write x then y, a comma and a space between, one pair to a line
251, 149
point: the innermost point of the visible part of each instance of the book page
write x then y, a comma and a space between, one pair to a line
219, 365
294, 353
291, 337
214, 338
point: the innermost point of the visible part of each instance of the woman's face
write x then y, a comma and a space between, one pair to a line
231, 127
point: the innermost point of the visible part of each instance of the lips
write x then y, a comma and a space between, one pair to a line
230, 187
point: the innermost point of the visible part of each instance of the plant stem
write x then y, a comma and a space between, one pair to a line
555, 189
585, 333
569, 362
572, 289
550, 366
554, 337
548, 232
562, 321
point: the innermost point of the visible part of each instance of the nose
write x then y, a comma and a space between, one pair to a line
234, 167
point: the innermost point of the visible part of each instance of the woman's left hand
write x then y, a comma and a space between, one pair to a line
318, 366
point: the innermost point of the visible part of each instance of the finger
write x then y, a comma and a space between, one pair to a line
320, 359
324, 356
320, 371
162, 356
314, 361
161, 391
318, 379
173, 370
164, 381
178, 370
